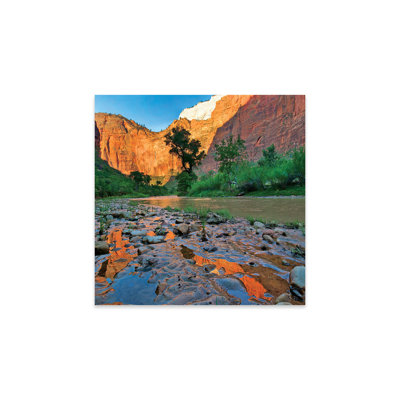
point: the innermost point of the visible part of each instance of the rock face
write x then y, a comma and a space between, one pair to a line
260, 120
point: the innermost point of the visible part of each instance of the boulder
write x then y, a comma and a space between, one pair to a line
210, 249
297, 277
101, 248
214, 219
267, 238
259, 225
283, 298
153, 239
182, 229
195, 227
134, 232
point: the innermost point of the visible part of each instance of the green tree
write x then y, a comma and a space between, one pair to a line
299, 164
230, 153
187, 150
270, 157
185, 181
139, 178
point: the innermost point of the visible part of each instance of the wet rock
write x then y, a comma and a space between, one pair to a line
160, 288
120, 214
143, 250
179, 221
258, 225
153, 239
283, 298
280, 231
195, 227
210, 249
109, 218
209, 267
299, 251
285, 263
297, 294
101, 248
214, 219
137, 233
146, 262
297, 277
230, 283
182, 229
267, 238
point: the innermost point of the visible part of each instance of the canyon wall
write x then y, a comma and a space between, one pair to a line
260, 120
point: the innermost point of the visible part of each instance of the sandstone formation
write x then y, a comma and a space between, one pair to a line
260, 120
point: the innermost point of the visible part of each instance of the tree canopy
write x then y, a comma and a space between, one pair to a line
139, 178
229, 152
188, 150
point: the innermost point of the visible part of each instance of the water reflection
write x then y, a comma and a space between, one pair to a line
280, 209
118, 259
254, 288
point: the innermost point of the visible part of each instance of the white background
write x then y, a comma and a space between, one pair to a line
56, 55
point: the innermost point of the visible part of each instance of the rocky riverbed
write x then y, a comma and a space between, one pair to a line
149, 255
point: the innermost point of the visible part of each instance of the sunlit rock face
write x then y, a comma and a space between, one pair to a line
260, 120
200, 111
127, 147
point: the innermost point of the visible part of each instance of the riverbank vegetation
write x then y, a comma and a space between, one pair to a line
111, 183
274, 174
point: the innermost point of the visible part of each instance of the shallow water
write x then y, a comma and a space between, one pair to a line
280, 209
231, 264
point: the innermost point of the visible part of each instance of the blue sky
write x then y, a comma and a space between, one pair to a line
156, 112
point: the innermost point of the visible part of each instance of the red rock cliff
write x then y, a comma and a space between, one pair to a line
260, 120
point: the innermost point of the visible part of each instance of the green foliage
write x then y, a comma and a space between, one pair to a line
185, 181
188, 150
270, 157
299, 164
171, 209
139, 178
109, 182
228, 153
274, 174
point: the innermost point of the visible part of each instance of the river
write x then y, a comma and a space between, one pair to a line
279, 209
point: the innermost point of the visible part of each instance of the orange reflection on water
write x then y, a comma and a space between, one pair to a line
151, 233
254, 288
119, 258
170, 235
229, 267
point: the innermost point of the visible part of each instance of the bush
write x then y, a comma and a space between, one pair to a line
185, 181
273, 172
